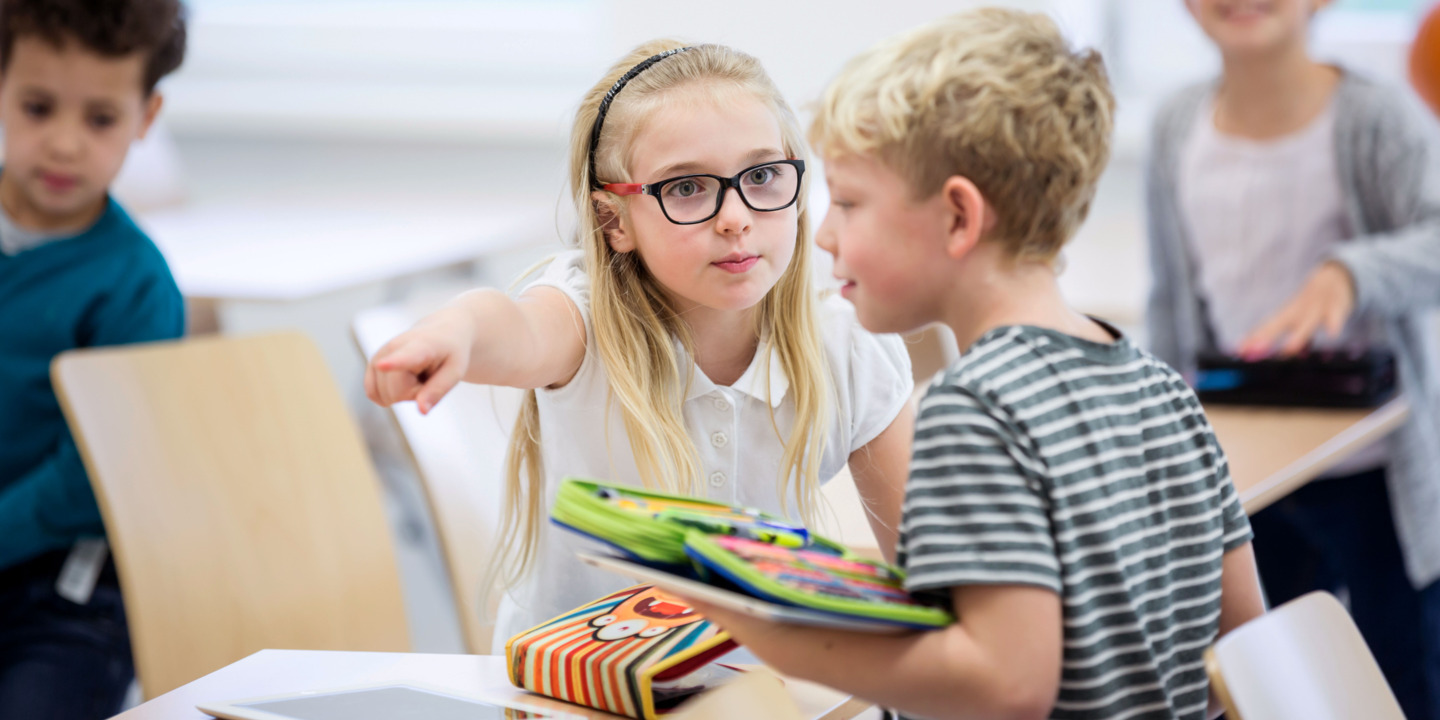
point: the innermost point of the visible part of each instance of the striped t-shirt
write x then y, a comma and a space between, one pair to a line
1087, 468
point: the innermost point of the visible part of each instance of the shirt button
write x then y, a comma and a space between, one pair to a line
719, 439
717, 479
721, 404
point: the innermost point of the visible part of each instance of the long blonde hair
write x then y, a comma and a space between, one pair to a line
634, 324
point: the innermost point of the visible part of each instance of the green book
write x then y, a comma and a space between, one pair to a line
741, 550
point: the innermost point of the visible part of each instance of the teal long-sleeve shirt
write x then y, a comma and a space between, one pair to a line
106, 286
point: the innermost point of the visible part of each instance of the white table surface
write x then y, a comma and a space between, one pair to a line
275, 672
290, 252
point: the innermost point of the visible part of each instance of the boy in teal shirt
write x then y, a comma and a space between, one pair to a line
77, 87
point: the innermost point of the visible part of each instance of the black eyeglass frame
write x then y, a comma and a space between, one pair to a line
654, 189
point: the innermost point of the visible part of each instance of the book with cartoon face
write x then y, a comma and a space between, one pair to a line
638, 652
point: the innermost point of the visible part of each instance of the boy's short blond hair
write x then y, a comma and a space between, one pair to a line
993, 95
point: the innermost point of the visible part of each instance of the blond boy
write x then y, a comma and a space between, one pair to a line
1067, 496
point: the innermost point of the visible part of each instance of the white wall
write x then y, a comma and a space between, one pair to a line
803, 44
469, 101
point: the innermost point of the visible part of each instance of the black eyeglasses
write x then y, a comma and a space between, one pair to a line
693, 199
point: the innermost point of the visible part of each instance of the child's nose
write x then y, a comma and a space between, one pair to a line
734, 216
825, 237
65, 139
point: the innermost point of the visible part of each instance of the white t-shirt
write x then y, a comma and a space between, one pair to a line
1262, 215
739, 450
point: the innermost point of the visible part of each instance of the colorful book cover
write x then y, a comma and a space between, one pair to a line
650, 527
819, 580
628, 653
743, 550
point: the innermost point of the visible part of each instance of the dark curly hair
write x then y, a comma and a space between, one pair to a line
112, 28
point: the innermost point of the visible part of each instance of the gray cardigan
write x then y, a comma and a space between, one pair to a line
1392, 200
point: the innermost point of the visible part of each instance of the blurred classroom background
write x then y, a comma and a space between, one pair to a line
320, 158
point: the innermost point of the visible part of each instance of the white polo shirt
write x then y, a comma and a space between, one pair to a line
739, 449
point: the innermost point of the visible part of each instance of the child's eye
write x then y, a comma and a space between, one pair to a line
100, 122
684, 188
761, 175
842, 204
36, 110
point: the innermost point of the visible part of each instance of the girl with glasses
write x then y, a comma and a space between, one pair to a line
682, 346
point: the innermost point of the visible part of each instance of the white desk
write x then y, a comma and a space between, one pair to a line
275, 672
292, 252
311, 267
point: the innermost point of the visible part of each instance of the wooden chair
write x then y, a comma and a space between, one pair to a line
459, 452
239, 501
1301, 661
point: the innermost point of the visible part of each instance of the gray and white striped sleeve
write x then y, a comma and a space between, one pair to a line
975, 510
1235, 523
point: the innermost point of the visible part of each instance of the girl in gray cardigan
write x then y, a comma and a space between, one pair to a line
1292, 205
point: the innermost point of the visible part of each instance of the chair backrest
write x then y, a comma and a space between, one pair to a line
931, 350
239, 501
1301, 661
459, 451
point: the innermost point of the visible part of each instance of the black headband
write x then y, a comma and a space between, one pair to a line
609, 96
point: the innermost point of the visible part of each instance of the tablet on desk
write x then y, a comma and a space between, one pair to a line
380, 702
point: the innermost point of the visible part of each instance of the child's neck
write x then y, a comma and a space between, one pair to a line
725, 341
1271, 95
993, 290
29, 217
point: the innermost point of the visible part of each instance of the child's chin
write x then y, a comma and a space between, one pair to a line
736, 303
64, 204
739, 298
1261, 37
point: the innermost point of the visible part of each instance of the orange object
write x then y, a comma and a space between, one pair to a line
1425, 60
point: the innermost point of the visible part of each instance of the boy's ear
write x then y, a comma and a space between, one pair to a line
152, 110
608, 215
970, 217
